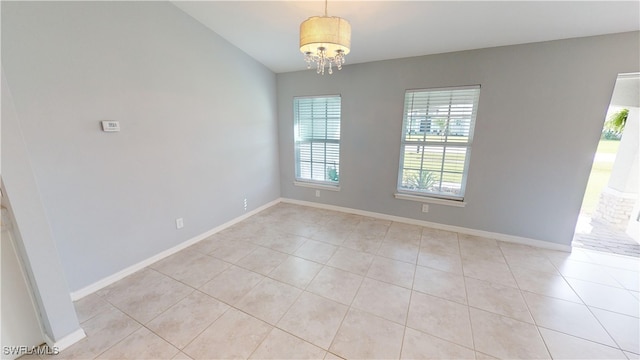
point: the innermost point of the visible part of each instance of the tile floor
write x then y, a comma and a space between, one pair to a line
297, 282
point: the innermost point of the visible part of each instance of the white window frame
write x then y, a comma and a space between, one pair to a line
438, 197
310, 182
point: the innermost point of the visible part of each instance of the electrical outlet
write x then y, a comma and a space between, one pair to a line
245, 204
425, 208
317, 193
179, 223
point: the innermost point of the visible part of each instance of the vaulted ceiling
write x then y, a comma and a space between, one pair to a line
268, 30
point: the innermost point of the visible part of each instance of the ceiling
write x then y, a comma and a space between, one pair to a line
268, 30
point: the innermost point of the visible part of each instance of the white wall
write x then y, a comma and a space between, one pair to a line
198, 119
538, 124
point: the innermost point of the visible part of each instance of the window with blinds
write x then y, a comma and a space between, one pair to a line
317, 139
436, 141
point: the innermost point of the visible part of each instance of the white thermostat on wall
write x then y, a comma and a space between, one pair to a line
110, 125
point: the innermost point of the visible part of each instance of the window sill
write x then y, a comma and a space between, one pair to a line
431, 200
314, 185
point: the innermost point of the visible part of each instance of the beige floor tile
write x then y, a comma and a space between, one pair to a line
363, 242
538, 263
332, 356
142, 344
283, 242
527, 257
233, 251
559, 257
325, 315
616, 261
476, 242
498, 299
373, 228
335, 284
443, 318
365, 336
606, 297
509, 248
182, 322
442, 284
385, 300
262, 260
145, 294
295, 227
280, 345
181, 356
449, 262
623, 328
209, 244
563, 346
505, 337
418, 345
316, 251
544, 284
342, 220
440, 241
296, 271
331, 235
354, 261
90, 306
103, 331
449, 239
358, 316
234, 335
567, 317
494, 272
232, 284
244, 231
476, 247
265, 232
586, 271
392, 271
483, 356
191, 268
269, 300
403, 251
404, 233
629, 279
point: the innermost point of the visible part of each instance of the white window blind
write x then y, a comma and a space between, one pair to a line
317, 138
436, 141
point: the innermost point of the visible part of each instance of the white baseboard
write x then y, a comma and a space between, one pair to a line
459, 229
66, 341
79, 294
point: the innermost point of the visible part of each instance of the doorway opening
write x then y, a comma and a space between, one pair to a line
610, 211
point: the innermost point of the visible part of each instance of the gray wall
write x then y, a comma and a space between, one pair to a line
39, 254
198, 119
539, 119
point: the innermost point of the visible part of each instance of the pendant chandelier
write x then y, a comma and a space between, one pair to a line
325, 40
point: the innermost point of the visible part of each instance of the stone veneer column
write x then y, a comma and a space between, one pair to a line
618, 199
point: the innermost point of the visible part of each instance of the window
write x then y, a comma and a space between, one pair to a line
437, 133
317, 139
